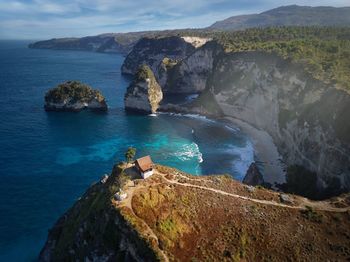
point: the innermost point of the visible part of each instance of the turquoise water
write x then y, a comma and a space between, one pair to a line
47, 160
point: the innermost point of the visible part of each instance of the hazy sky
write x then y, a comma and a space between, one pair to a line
42, 19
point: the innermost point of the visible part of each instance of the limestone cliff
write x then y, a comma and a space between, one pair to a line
190, 74
307, 118
173, 216
144, 93
74, 96
153, 51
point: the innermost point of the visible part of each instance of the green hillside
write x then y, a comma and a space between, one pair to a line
324, 51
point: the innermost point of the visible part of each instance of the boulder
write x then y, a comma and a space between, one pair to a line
253, 176
284, 198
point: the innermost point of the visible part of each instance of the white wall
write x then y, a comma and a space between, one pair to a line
147, 174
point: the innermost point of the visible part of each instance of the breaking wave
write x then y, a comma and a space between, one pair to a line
188, 152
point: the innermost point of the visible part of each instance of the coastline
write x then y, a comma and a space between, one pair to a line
265, 151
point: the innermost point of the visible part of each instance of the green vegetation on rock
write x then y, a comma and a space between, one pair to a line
143, 73
324, 51
130, 154
74, 90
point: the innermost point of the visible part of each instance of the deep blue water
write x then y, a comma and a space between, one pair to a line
47, 160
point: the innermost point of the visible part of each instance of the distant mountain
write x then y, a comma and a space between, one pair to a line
292, 15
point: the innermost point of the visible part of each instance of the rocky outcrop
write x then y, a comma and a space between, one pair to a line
144, 93
190, 74
306, 118
253, 176
92, 230
153, 51
74, 96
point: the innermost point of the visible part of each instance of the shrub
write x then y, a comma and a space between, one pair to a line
311, 215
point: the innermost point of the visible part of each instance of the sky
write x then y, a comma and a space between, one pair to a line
44, 19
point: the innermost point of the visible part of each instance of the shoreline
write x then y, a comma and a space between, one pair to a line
265, 151
266, 154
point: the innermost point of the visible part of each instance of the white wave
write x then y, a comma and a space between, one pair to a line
188, 152
195, 116
153, 115
191, 97
246, 157
233, 129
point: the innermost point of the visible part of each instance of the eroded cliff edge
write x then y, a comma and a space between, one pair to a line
307, 118
175, 216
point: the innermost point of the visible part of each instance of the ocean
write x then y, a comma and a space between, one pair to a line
48, 159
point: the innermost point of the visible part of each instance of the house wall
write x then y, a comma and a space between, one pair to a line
147, 174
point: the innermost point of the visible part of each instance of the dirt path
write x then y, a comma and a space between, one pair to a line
316, 205
131, 189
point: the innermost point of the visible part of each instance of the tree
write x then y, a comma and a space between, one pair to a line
130, 154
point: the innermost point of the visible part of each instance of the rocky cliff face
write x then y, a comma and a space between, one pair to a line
144, 93
92, 230
74, 96
253, 176
305, 117
153, 51
190, 74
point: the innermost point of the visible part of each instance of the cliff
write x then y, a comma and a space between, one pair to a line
190, 74
159, 54
110, 42
305, 117
144, 93
175, 216
253, 176
74, 96
298, 101
107, 43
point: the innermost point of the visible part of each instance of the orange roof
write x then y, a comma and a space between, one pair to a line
144, 163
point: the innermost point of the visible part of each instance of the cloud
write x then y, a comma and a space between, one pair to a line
41, 19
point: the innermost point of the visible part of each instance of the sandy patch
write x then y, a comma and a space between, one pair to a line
265, 151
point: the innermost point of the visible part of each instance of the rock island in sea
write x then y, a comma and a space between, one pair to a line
144, 93
74, 96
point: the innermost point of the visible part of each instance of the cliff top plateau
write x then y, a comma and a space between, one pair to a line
173, 216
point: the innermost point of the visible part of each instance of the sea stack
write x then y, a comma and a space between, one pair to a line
74, 96
144, 93
253, 176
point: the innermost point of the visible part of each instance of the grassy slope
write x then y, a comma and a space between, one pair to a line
193, 224
175, 216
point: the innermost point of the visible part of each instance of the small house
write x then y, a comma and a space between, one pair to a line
120, 195
145, 166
